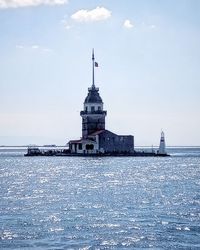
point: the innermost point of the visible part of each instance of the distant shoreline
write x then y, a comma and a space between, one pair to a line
42, 146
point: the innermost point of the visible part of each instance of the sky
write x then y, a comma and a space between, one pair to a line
148, 53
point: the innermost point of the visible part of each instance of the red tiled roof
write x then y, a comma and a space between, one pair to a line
97, 132
75, 141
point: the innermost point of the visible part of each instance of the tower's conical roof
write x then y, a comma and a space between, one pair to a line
93, 96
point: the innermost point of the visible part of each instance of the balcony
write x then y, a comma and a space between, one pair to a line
96, 112
93, 88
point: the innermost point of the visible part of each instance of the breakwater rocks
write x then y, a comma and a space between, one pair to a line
67, 152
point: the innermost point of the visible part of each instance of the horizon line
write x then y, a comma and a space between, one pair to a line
136, 146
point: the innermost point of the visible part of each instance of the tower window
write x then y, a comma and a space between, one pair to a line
92, 108
99, 108
86, 108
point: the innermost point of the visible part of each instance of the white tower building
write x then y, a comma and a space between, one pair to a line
162, 147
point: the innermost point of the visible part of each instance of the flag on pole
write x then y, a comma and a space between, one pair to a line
96, 64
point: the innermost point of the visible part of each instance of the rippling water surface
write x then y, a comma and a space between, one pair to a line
100, 203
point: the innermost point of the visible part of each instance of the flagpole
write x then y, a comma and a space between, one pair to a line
93, 85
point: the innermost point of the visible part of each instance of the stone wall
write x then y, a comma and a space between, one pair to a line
110, 142
92, 123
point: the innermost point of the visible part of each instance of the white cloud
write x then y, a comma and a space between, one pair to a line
27, 3
19, 46
98, 14
47, 50
128, 24
152, 26
35, 47
66, 25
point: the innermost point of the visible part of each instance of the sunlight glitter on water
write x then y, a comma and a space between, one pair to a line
98, 203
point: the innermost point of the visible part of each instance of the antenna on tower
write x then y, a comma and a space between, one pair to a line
93, 62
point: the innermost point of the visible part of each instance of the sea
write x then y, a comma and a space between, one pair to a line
59, 203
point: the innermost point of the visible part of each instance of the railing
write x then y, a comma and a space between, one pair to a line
102, 112
93, 88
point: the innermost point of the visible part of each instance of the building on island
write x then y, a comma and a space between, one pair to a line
96, 139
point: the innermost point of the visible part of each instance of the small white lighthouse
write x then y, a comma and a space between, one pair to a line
162, 147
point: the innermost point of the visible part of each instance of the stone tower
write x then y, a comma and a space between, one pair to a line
93, 115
